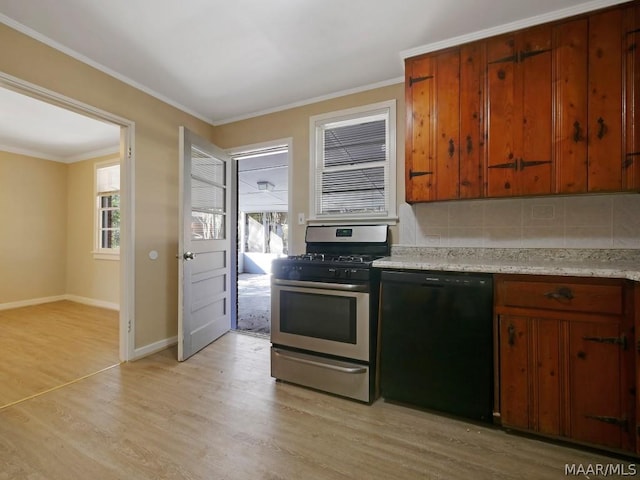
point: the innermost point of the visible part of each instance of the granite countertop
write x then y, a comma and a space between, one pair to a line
614, 263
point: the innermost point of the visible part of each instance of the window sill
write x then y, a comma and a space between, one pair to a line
352, 221
106, 255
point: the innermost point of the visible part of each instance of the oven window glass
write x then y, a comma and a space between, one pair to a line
321, 316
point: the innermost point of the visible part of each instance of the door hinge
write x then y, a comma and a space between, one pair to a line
413, 80
129, 153
619, 422
513, 165
524, 55
520, 56
418, 174
532, 163
621, 340
627, 162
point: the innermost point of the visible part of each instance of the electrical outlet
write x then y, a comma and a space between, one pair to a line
301, 219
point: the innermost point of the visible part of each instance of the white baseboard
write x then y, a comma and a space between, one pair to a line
73, 298
31, 302
154, 348
93, 302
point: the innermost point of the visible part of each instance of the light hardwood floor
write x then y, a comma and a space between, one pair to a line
45, 346
220, 415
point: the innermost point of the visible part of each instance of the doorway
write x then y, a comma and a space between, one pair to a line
263, 229
36, 298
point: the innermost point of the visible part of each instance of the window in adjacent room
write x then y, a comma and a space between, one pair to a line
353, 155
107, 211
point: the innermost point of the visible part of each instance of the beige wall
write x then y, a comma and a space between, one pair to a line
33, 230
87, 276
294, 123
47, 237
156, 168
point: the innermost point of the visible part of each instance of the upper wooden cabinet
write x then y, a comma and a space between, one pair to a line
589, 103
550, 109
631, 165
519, 113
444, 134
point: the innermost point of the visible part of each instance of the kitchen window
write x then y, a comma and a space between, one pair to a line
352, 156
107, 231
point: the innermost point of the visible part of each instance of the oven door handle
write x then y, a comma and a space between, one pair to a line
327, 286
337, 368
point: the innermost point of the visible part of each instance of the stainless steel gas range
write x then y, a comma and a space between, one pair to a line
324, 311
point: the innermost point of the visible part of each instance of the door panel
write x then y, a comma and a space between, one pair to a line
447, 174
420, 148
605, 101
205, 276
632, 155
502, 115
595, 383
514, 371
571, 69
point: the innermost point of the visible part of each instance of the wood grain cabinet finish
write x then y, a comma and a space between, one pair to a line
631, 166
443, 138
550, 109
519, 96
589, 103
565, 365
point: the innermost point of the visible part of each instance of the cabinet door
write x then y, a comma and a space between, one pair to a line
514, 371
447, 125
519, 113
631, 167
547, 376
570, 96
472, 65
605, 101
596, 414
420, 137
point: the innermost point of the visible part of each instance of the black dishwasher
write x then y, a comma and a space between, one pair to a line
436, 341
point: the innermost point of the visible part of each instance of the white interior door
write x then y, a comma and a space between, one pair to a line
205, 273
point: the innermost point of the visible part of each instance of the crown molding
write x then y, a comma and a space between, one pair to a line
511, 27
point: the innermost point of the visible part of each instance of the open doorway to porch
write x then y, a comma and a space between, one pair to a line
263, 224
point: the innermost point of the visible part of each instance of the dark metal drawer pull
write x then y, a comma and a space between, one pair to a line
621, 340
562, 293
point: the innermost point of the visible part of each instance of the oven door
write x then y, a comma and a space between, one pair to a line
321, 317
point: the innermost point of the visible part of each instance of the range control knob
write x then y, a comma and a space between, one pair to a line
347, 273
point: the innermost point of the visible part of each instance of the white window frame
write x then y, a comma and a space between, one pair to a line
100, 253
317, 124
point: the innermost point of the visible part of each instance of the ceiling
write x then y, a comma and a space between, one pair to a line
223, 60
228, 60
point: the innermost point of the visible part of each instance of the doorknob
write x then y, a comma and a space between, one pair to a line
189, 256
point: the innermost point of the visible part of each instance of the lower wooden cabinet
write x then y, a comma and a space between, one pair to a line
566, 358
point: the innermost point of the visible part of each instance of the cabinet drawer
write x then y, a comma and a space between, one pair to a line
567, 296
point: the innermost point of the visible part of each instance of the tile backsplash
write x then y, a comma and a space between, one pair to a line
586, 221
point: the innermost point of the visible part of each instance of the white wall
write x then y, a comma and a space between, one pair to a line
588, 221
